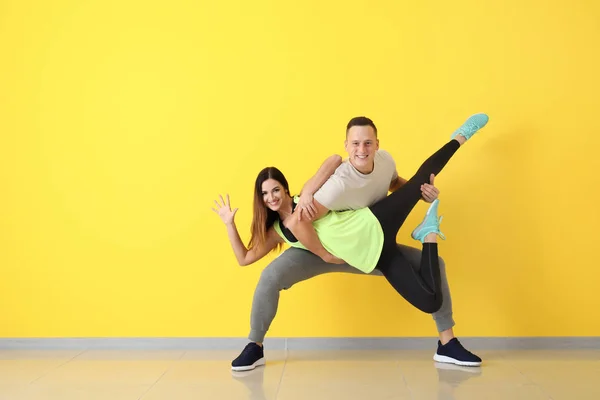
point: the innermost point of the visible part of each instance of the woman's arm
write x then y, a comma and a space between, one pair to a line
306, 234
249, 256
243, 255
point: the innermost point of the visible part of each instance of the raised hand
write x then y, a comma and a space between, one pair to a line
224, 210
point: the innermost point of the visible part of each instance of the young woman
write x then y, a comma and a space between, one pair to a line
364, 238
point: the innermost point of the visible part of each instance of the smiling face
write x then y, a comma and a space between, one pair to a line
271, 197
362, 144
273, 194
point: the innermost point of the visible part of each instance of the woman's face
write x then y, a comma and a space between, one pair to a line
273, 194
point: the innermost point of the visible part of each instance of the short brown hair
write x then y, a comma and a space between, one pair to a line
361, 121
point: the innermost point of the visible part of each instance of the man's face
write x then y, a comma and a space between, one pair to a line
361, 145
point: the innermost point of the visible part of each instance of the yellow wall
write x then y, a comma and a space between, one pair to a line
120, 122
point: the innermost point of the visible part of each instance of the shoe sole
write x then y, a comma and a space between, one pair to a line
259, 362
258, 371
453, 367
450, 360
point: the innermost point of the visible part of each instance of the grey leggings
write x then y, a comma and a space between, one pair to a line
297, 265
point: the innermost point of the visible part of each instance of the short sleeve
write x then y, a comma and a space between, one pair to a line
329, 192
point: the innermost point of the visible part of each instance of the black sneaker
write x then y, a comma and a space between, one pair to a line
454, 353
251, 357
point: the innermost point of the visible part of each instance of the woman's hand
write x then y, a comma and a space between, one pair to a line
224, 210
331, 259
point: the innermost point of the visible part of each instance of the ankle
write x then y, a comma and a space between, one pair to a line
460, 139
446, 336
430, 238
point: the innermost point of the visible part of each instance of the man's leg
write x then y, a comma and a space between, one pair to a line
449, 348
292, 266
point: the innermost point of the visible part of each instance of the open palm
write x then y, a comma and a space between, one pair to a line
224, 210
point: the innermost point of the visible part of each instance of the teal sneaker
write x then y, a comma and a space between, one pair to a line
430, 224
471, 125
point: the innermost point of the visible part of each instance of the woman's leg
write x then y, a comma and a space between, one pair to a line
393, 210
420, 288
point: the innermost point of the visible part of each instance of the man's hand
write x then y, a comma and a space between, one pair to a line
306, 206
428, 191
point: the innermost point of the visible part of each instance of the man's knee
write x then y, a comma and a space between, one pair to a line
433, 306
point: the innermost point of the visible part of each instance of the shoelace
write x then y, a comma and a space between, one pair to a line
469, 127
438, 230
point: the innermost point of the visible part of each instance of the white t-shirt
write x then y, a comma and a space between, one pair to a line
349, 189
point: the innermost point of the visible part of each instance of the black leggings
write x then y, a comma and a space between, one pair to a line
422, 287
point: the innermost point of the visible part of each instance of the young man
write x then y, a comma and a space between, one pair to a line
362, 180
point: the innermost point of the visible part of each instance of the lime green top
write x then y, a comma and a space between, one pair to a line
355, 236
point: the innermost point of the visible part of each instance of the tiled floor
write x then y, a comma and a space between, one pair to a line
181, 375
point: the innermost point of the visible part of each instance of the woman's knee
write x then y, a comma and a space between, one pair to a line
271, 277
280, 274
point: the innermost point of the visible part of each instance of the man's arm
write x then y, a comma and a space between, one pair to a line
306, 202
397, 183
428, 191
325, 171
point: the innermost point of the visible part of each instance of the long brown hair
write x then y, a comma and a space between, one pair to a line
264, 217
